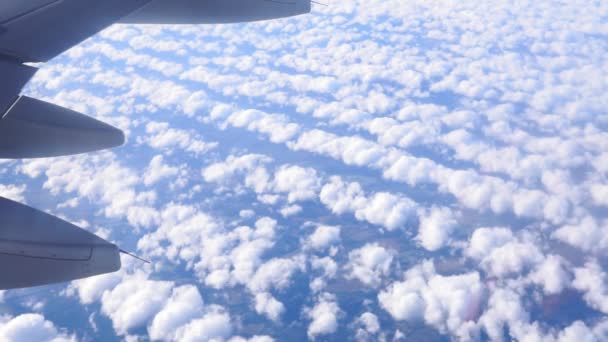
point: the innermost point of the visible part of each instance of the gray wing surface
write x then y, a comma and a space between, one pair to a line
215, 12
37, 129
39, 249
36, 31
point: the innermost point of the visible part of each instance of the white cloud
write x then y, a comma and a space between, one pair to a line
323, 237
324, 316
185, 228
506, 311
577, 331
134, 302
100, 179
277, 127
252, 339
274, 274
170, 312
489, 109
351, 150
484, 240
587, 234
13, 192
591, 281
158, 170
369, 325
91, 289
299, 183
382, 208
290, 210
295, 182
370, 264
599, 193
267, 305
246, 213
184, 305
328, 269
552, 275
221, 172
31, 327
160, 135
501, 254
449, 303
436, 226
215, 325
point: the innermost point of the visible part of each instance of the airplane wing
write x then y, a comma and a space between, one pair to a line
37, 248
215, 12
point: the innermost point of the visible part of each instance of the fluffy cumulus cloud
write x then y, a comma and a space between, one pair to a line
92, 289
158, 170
382, 208
324, 236
31, 327
299, 183
266, 304
370, 264
552, 274
169, 312
435, 228
434, 164
591, 281
222, 171
449, 303
12, 192
274, 274
324, 316
161, 136
215, 325
184, 305
134, 301
587, 234
501, 254
368, 326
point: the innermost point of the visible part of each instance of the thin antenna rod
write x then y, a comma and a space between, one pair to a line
318, 3
134, 256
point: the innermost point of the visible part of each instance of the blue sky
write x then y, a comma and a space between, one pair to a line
376, 170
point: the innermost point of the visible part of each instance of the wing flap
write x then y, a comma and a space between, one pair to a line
36, 129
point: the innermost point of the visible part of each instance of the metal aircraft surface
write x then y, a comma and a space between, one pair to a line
37, 248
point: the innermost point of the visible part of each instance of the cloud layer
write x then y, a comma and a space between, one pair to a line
350, 174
